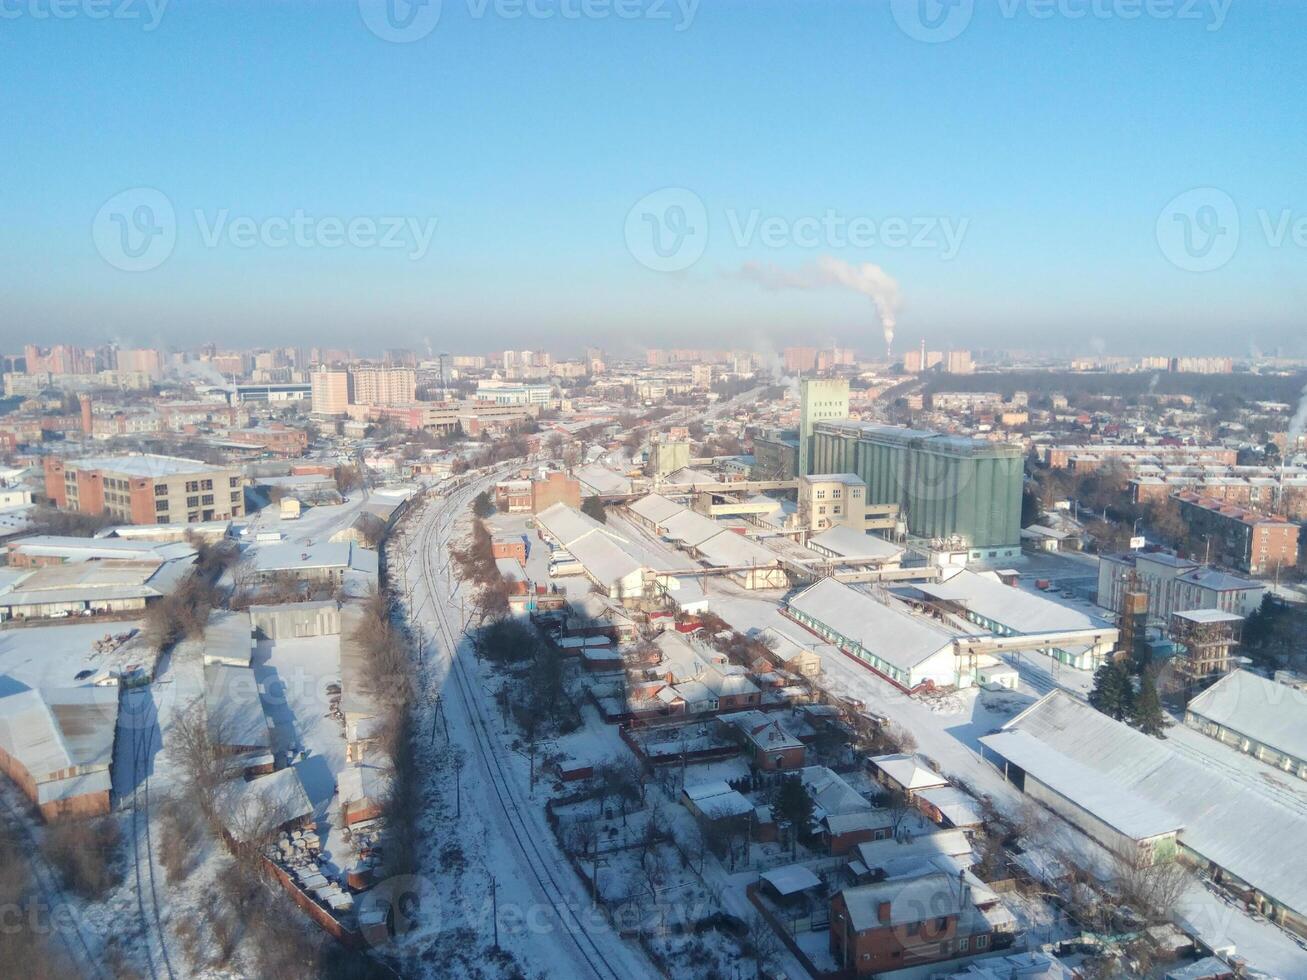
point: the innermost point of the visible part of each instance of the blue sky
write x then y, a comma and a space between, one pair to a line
1050, 145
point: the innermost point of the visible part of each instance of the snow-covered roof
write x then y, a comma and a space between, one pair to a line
600, 479
363, 782
604, 559
849, 542
791, 879
729, 549
57, 730
233, 708
909, 899
85, 549
1225, 819
262, 805
228, 637
881, 853
716, 800
1266, 711
107, 578
908, 771
655, 508
690, 529
1208, 616
889, 631
143, 465
954, 803
831, 795
321, 554
1014, 607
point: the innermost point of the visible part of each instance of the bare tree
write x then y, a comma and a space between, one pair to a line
763, 945
1151, 887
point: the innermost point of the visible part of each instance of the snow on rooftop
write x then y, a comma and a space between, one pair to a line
849, 542
143, 465
1225, 820
1015, 608
1268, 712
889, 631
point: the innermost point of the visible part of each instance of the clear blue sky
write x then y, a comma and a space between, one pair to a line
1059, 141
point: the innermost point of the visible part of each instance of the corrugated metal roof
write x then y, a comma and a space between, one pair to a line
888, 631
1225, 820
1264, 710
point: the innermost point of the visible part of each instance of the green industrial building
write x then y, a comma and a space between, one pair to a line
954, 492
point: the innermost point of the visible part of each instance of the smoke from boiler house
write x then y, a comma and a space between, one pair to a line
865, 278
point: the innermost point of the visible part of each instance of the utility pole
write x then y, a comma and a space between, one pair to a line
494, 906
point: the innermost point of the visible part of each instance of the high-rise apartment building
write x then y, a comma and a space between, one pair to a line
141, 360
959, 362
383, 385
59, 359
330, 391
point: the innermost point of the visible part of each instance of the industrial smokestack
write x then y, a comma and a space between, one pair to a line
86, 415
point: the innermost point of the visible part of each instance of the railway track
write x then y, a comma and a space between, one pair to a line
151, 920
542, 867
52, 893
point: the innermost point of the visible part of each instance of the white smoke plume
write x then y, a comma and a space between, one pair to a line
829, 272
1298, 424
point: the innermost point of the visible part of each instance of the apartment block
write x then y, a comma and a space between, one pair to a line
1256, 544
146, 489
330, 391
383, 385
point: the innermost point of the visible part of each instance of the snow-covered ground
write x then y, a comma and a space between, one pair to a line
947, 729
503, 840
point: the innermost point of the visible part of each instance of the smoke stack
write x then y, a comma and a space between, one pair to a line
86, 415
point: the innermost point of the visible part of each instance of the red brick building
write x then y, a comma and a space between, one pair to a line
508, 546
905, 922
555, 488
1258, 544
284, 440
146, 489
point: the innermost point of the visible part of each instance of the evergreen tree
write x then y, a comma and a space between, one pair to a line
1146, 712
1113, 693
482, 505
795, 805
